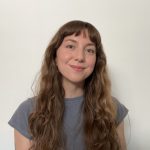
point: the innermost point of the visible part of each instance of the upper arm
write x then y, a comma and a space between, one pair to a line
19, 121
21, 142
120, 132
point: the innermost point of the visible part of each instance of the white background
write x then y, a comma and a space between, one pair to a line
26, 26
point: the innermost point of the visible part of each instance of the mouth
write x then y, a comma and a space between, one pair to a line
77, 68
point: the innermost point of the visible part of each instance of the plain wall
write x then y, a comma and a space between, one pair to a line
27, 26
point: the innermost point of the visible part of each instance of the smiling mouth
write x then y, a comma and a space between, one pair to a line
77, 68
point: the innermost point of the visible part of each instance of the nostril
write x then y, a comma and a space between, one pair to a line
79, 60
80, 57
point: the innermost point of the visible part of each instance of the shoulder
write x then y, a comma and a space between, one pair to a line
19, 119
121, 110
28, 105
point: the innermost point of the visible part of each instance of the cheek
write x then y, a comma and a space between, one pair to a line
91, 63
59, 57
62, 59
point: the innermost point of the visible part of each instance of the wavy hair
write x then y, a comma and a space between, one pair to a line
46, 122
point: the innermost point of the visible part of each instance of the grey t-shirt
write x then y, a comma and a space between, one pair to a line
73, 120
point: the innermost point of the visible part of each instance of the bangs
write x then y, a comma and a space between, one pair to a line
79, 27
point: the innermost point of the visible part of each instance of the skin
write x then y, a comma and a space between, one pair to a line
75, 60
21, 142
120, 131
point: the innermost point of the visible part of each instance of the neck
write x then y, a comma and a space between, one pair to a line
73, 90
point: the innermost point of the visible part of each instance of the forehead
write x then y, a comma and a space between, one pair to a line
77, 36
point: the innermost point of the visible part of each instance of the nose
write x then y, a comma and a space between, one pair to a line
79, 55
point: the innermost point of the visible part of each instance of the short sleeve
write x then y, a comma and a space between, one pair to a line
122, 111
19, 120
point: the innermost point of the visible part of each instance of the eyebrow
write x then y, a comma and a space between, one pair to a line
74, 41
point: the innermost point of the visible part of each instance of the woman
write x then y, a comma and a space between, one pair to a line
73, 108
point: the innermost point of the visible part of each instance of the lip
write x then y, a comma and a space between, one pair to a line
77, 68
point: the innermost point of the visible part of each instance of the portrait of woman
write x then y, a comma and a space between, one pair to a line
73, 108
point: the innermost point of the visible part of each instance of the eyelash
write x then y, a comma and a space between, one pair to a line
90, 51
70, 46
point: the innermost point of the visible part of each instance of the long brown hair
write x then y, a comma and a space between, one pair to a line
45, 123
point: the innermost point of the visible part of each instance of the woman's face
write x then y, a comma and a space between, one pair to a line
76, 58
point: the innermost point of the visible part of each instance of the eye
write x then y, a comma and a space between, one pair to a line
90, 50
70, 46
